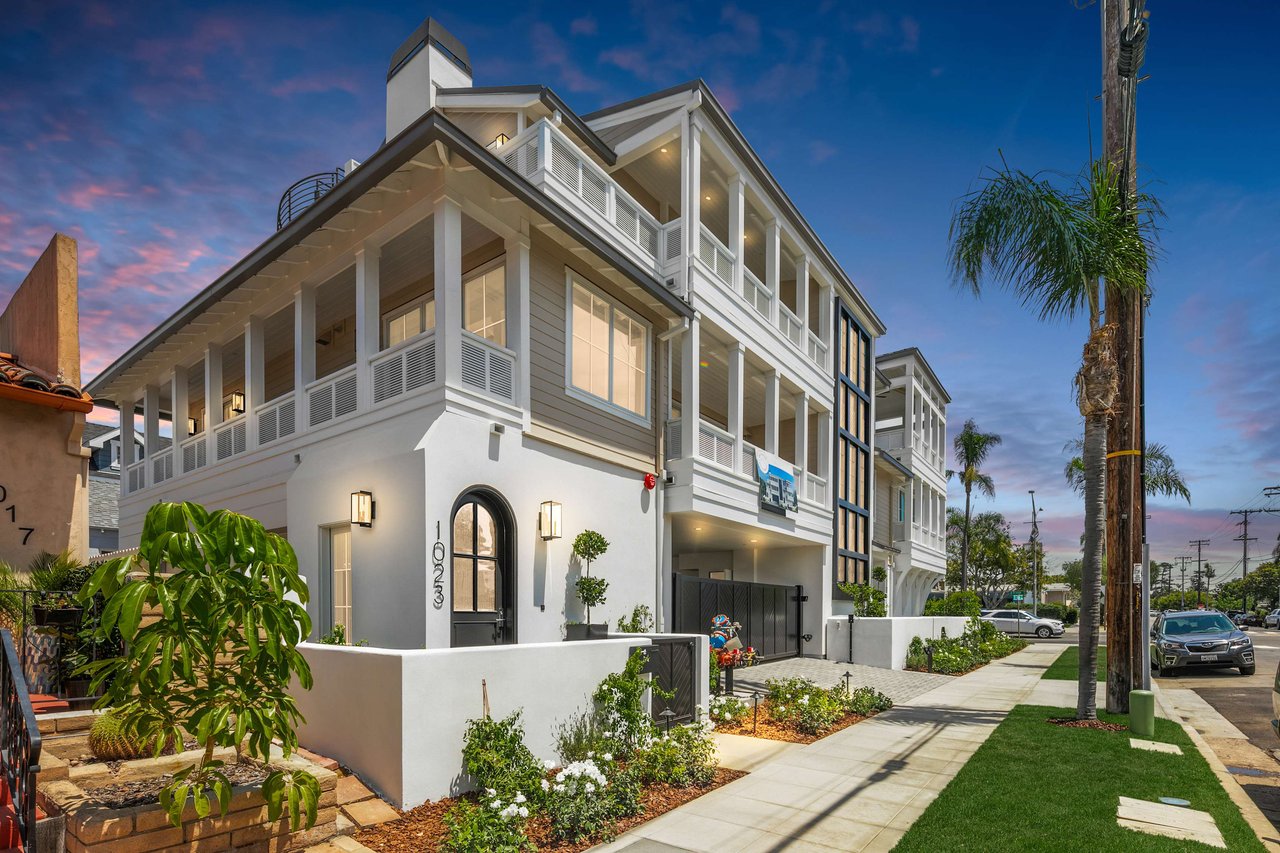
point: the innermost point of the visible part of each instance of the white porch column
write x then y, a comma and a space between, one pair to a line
693, 192
802, 434
127, 408
255, 385
447, 218
304, 351
737, 222
181, 411
517, 309
368, 318
212, 397
737, 371
824, 452
802, 299
826, 304
151, 420
771, 390
773, 258
690, 380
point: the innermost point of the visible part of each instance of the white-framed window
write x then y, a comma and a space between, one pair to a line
484, 302
114, 446
607, 361
411, 319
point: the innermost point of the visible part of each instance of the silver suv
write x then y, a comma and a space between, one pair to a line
1199, 638
1022, 622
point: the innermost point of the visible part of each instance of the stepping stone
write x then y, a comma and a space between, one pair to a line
1139, 743
352, 790
1169, 822
370, 813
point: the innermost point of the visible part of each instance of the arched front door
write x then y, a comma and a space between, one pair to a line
483, 591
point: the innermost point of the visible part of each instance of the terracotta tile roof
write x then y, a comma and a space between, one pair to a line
16, 377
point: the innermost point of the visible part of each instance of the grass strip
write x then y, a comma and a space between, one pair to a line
1067, 666
1034, 787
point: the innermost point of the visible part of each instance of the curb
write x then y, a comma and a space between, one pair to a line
1253, 816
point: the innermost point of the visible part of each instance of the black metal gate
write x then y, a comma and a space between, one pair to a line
769, 613
671, 662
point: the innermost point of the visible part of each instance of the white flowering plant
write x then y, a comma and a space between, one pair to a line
585, 798
492, 824
728, 709
621, 708
682, 757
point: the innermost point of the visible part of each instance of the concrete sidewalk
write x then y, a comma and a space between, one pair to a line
859, 789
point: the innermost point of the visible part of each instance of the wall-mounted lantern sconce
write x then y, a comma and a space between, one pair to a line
363, 509
237, 402
550, 523
193, 426
498, 141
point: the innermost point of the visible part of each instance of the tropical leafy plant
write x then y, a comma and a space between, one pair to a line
219, 660
1053, 247
589, 546
496, 758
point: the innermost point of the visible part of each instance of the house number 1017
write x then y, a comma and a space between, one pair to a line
437, 569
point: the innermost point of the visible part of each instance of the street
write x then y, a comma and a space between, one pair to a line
1244, 700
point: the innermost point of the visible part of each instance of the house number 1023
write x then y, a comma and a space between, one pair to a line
437, 570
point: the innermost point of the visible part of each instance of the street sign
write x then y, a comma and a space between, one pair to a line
1019, 596
1137, 574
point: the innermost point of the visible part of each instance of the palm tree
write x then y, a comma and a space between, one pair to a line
1053, 248
1159, 473
972, 447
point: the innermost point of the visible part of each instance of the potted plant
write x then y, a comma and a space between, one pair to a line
57, 611
588, 546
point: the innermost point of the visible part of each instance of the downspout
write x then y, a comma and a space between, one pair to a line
660, 520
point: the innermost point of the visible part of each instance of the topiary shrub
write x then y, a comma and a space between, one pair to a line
109, 741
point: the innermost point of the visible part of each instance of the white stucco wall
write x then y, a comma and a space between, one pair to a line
397, 717
883, 641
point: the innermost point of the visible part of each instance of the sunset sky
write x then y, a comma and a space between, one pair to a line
161, 139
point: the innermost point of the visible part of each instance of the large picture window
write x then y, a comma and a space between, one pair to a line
484, 303
608, 351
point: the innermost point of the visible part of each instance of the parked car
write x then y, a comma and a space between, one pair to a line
1194, 638
1022, 622
1272, 619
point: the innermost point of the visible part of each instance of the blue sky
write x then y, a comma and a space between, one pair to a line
161, 138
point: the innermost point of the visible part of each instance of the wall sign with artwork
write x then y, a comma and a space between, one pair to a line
777, 483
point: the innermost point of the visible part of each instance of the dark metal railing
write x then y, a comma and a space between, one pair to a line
19, 740
305, 193
66, 625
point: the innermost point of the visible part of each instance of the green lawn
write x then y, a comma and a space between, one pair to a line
1037, 787
1067, 666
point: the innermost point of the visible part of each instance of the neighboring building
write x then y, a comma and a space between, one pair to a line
1057, 593
911, 484
103, 443
510, 314
43, 469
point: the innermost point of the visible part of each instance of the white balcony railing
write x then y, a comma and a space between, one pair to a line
757, 295
332, 397
162, 466
488, 367
549, 159
673, 440
715, 256
815, 488
405, 367
789, 325
715, 445
230, 438
195, 452
136, 476
277, 419
817, 349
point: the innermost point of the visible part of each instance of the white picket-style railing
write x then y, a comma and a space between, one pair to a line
715, 445
488, 367
817, 349
758, 296
162, 466
277, 419
815, 488
230, 438
195, 452
405, 367
136, 476
789, 325
332, 397
715, 256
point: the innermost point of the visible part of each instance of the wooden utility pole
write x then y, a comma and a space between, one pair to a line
1123, 30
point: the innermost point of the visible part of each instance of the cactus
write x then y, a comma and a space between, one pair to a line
108, 741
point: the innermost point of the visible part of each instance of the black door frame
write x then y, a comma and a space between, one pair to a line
507, 580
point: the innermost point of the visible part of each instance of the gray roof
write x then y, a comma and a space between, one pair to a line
915, 353
104, 500
92, 431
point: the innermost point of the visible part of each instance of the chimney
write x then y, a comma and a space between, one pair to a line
429, 60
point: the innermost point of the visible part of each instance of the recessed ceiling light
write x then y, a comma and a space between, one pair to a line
664, 151
753, 541
708, 198
697, 529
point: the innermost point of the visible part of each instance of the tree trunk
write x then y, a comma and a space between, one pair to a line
1095, 467
964, 547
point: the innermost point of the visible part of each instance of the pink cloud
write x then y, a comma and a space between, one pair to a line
86, 196
329, 81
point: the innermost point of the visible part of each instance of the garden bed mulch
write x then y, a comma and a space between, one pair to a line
770, 729
122, 795
1073, 723
422, 829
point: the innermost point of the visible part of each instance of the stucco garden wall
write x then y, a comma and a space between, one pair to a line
883, 641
